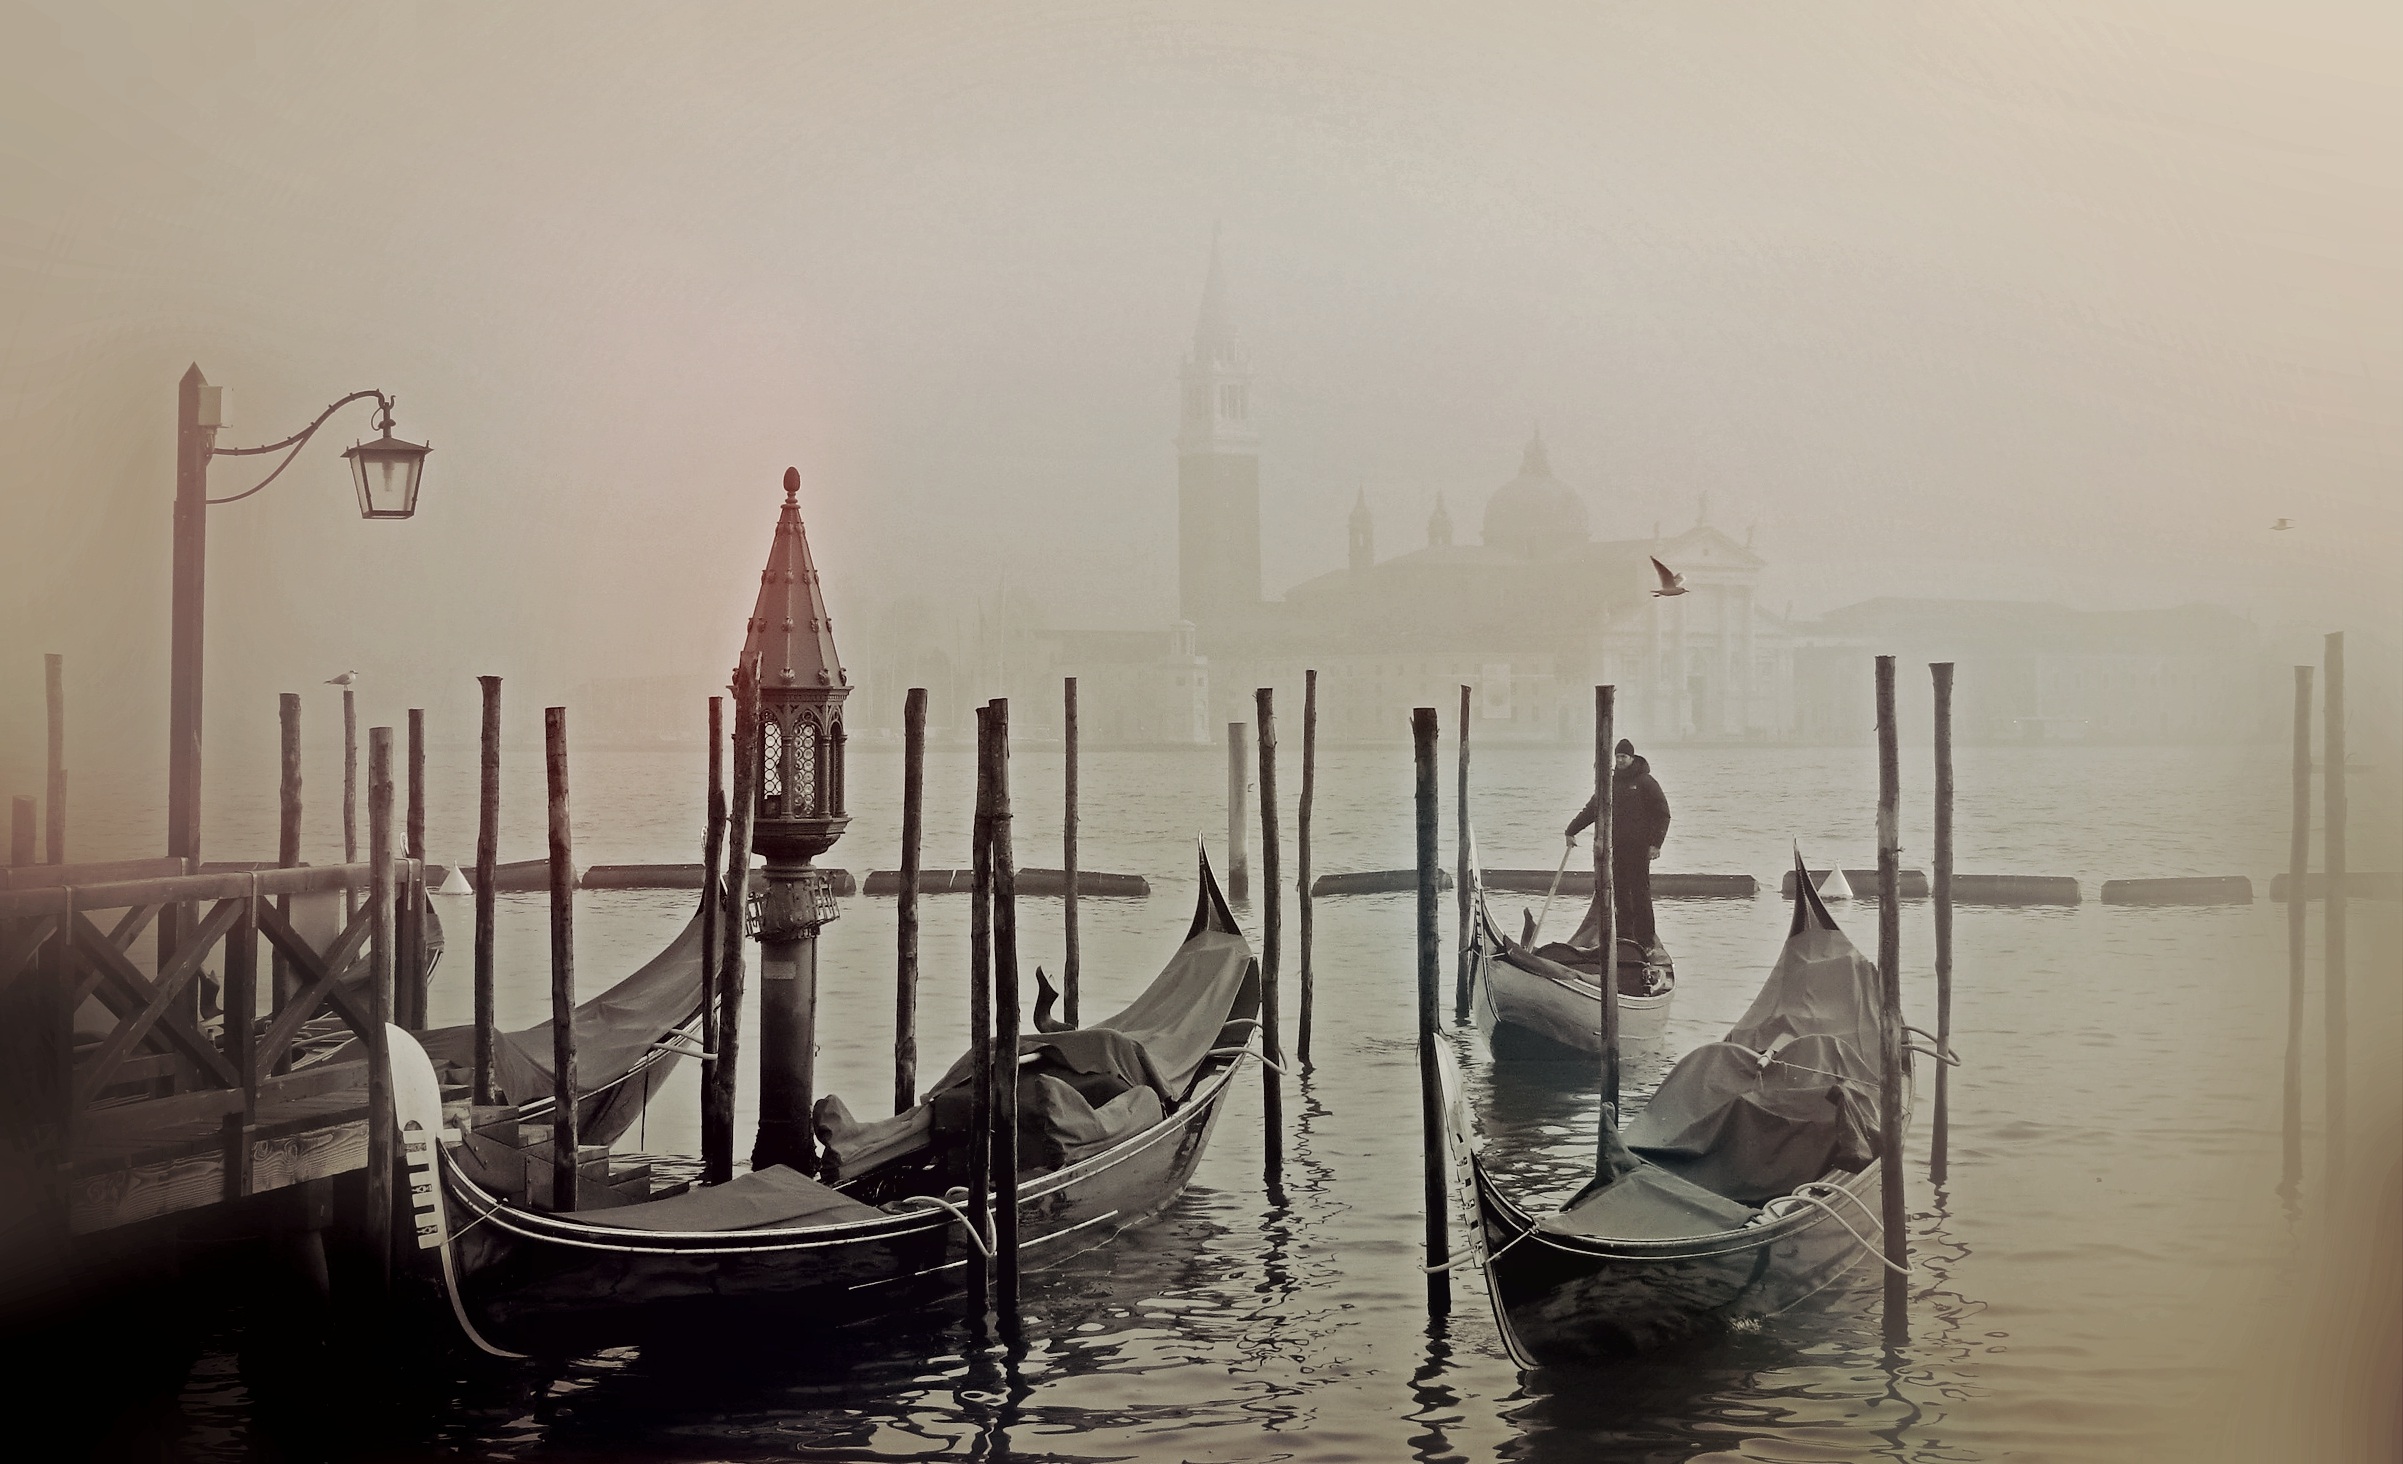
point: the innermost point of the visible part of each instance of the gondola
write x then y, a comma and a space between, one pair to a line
1114, 1118
1754, 1181
628, 1042
1551, 993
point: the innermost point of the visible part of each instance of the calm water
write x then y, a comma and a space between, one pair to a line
2110, 1224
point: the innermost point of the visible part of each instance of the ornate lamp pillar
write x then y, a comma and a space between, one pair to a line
799, 814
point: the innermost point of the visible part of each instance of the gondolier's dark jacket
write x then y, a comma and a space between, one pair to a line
1639, 814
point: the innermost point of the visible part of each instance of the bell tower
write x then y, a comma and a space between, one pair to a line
1218, 473
1364, 535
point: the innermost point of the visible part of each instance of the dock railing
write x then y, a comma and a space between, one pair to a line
170, 1109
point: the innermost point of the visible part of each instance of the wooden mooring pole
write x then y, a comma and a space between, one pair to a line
717, 1100
1072, 963
713, 849
54, 689
563, 963
2332, 915
1609, 1152
1896, 1222
1301, 861
383, 1138
980, 1024
488, 854
1272, 900
1005, 1039
2298, 869
350, 788
21, 830
1939, 1145
287, 832
1460, 876
1239, 864
410, 995
1423, 734
905, 963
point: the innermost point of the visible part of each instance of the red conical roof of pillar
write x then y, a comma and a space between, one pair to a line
791, 637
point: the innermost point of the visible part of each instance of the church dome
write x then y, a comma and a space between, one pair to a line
1534, 513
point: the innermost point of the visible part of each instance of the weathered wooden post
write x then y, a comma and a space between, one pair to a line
240, 1038
1301, 872
488, 847
287, 833
1239, 863
913, 834
1430, 975
563, 964
1005, 1038
2332, 915
383, 1137
1460, 876
1272, 901
1609, 1154
410, 994
350, 788
713, 850
21, 836
1072, 962
54, 687
980, 1024
2298, 870
1896, 1220
1938, 1156
717, 1100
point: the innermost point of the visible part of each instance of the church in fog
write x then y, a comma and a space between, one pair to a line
1531, 610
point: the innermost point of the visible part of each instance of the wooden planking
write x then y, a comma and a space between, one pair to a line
144, 1191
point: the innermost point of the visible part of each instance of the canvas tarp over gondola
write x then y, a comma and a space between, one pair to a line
1754, 1157
624, 1050
884, 1234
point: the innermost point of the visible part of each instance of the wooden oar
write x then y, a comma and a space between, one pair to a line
1548, 894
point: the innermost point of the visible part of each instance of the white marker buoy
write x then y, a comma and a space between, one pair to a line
455, 883
1835, 886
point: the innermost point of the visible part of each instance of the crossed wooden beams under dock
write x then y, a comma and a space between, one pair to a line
169, 1110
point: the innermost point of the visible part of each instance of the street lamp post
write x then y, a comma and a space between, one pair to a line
385, 474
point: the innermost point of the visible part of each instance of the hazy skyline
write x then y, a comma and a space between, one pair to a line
2004, 301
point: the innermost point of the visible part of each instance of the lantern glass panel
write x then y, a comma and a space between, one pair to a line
771, 761
805, 769
385, 472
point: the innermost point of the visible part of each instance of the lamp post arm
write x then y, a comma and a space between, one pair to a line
297, 441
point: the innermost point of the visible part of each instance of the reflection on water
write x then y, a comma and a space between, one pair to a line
2116, 1146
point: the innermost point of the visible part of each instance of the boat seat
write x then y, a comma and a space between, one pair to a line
774, 1196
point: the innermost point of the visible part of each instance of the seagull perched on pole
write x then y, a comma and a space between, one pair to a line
344, 680
1671, 583
2283, 524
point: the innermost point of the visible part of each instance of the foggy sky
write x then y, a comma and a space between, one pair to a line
2012, 301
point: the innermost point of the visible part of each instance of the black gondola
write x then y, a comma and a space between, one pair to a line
1114, 1118
1754, 1185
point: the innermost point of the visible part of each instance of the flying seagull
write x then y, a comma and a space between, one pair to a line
1671, 583
344, 680
2283, 524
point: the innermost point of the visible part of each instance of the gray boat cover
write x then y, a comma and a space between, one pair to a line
1079, 1094
613, 1031
775, 1195
1789, 1096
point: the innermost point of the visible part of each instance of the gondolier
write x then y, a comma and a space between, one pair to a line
1639, 826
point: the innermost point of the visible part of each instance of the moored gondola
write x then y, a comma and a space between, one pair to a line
1749, 1183
1535, 999
1114, 1118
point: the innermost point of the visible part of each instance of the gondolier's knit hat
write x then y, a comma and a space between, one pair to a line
1626, 747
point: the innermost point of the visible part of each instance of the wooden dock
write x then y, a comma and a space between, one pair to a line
138, 1097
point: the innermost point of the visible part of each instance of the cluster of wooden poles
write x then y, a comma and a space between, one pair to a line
1611, 1154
